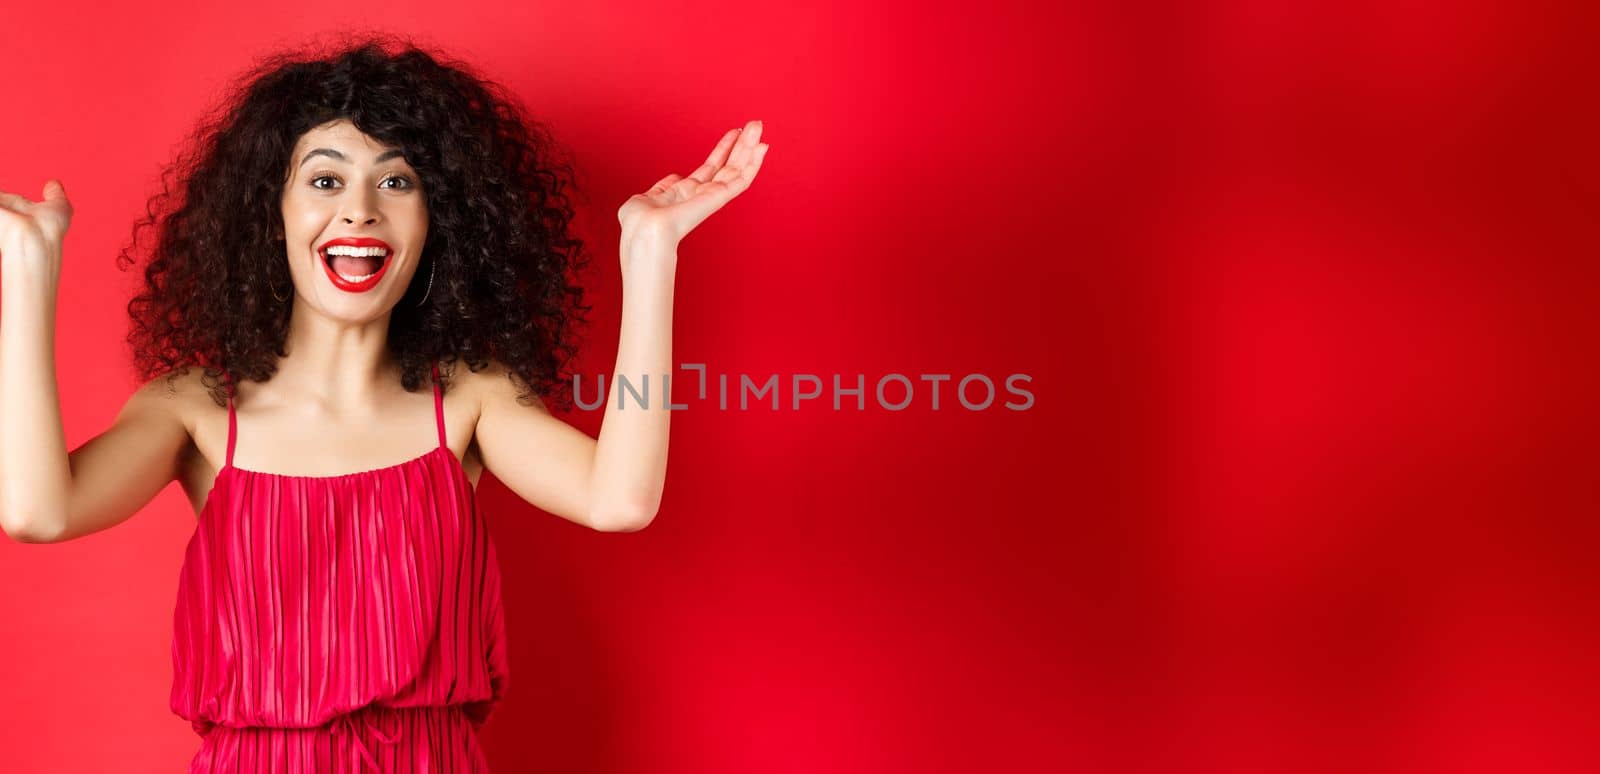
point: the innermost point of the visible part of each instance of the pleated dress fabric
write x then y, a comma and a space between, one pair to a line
346, 623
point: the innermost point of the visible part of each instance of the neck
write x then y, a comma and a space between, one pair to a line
339, 362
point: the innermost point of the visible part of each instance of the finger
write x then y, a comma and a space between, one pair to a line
55, 196
755, 163
718, 157
747, 170
664, 183
751, 171
748, 139
719, 154
15, 202
752, 133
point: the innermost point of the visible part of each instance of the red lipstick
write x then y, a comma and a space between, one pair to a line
359, 286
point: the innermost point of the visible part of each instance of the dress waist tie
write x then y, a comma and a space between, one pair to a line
349, 724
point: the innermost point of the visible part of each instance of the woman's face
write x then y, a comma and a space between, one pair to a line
355, 218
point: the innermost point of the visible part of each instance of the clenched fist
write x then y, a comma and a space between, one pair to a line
32, 231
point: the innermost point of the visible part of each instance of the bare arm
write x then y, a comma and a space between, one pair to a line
630, 462
546, 461
615, 483
47, 495
33, 455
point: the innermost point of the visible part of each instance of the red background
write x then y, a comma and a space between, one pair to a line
1308, 297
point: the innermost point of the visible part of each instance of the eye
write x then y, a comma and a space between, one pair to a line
321, 177
400, 178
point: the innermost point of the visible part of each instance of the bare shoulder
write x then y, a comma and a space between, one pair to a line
179, 396
540, 457
496, 386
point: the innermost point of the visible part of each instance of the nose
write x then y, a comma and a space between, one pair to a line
360, 209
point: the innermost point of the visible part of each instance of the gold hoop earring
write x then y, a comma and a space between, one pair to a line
430, 285
275, 294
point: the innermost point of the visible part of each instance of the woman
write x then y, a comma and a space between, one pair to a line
346, 228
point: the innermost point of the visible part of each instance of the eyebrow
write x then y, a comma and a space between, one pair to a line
333, 154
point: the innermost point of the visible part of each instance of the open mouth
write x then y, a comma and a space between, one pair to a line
355, 265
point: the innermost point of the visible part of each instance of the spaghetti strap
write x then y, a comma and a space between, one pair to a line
438, 408
232, 423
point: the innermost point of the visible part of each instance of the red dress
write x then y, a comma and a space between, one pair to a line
341, 623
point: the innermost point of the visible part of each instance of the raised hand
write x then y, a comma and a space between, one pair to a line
34, 230
675, 205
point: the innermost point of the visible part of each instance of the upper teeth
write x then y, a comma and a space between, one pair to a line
365, 252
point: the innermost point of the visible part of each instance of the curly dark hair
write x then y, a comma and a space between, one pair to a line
504, 265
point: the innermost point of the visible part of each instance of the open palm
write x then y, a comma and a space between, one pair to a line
676, 204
